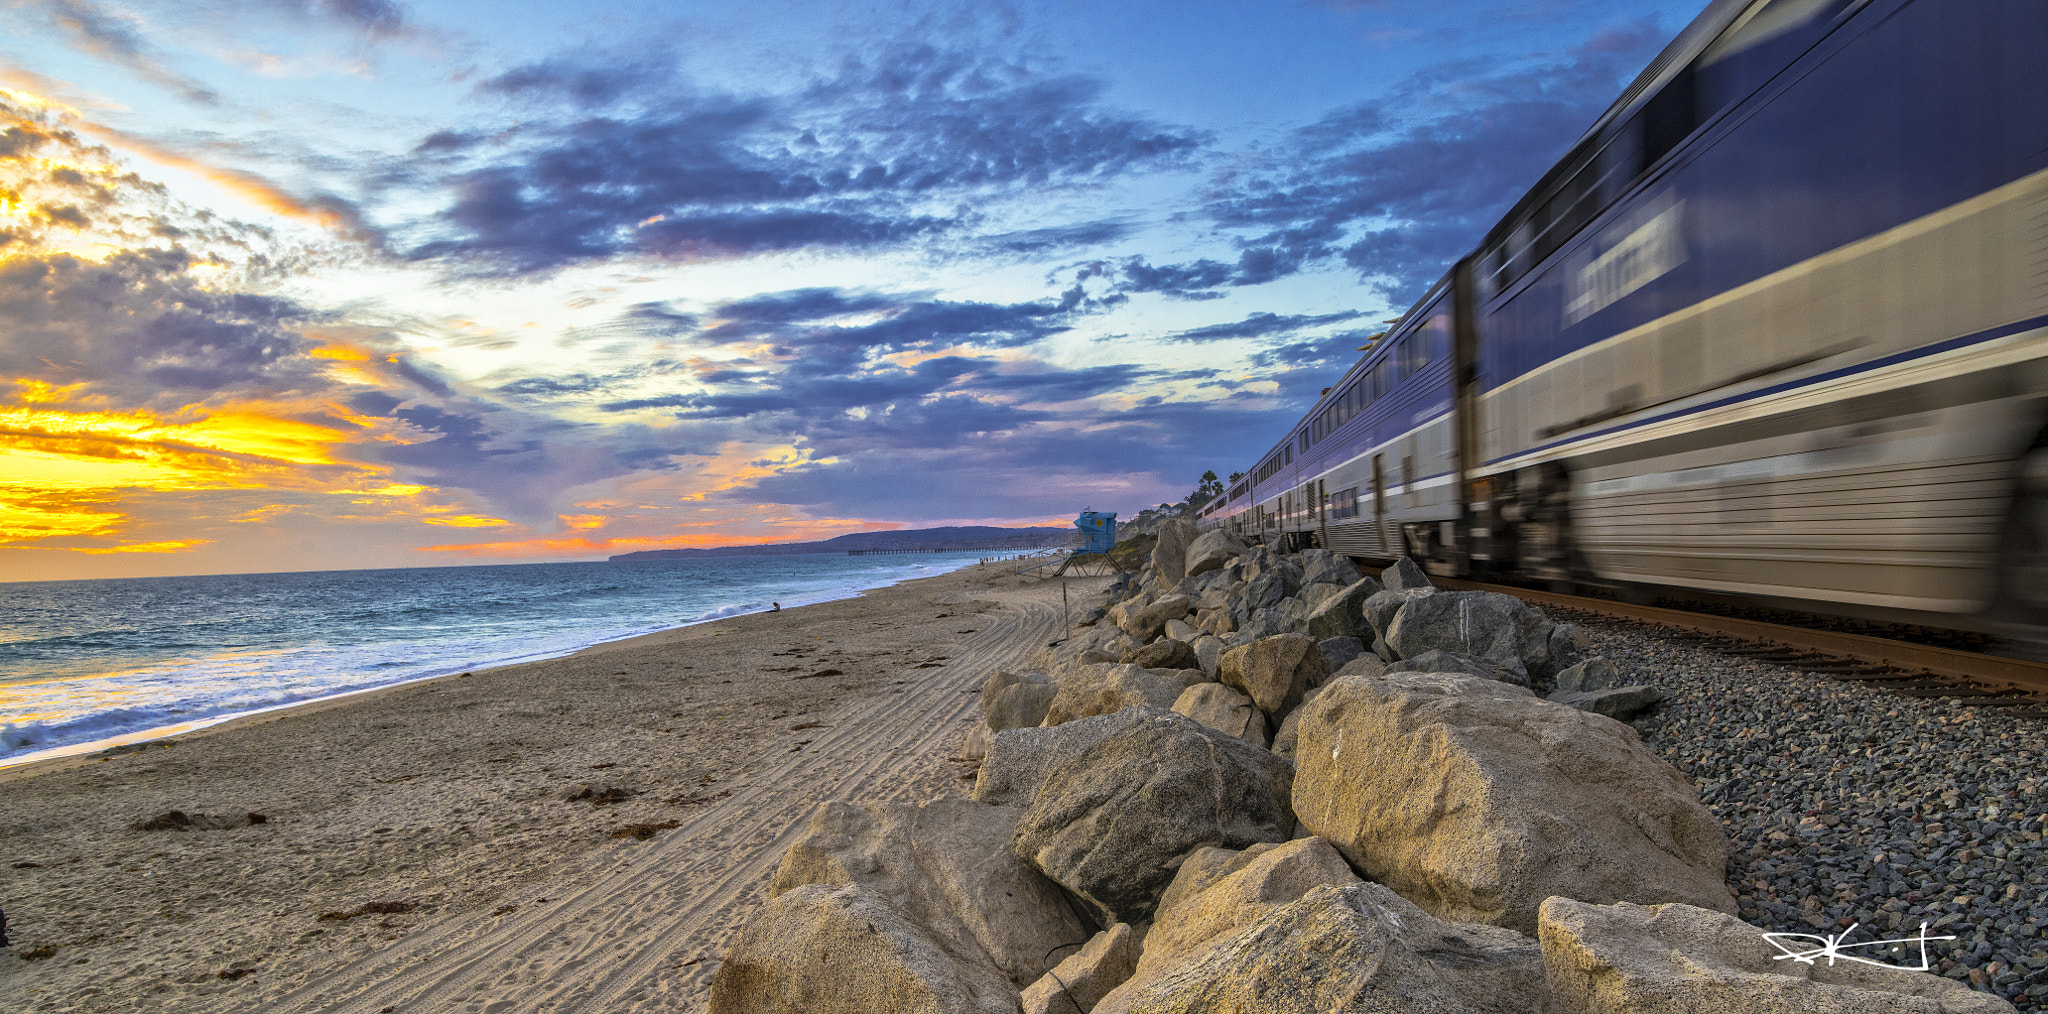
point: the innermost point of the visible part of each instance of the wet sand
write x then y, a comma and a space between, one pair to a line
421, 850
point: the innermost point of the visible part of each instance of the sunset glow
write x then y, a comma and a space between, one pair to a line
400, 284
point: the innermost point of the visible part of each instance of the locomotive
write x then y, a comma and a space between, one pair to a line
1775, 328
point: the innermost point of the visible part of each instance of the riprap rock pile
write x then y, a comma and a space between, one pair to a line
1268, 781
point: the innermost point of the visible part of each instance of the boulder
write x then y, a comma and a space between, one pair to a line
1343, 614
1107, 689
1290, 615
1591, 674
1125, 612
1618, 703
1352, 949
1081, 980
1288, 735
947, 867
1011, 701
1275, 671
1019, 760
1224, 710
1624, 958
1569, 644
1213, 598
1178, 630
1321, 565
1379, 608
1481, 624
1121, 645
844, 949
1169, 554
1403, 575
1146, 624
1167, 654
1314, 595
1452, 662
1202, 868
1367, 664
1218, 622
1216, 898
1339, 650
1108, 823
1212, 550
1209, 654
1477, 800
1266, 591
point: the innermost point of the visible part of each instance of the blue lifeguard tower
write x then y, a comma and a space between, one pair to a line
1098, 531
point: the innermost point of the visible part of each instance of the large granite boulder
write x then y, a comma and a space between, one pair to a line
1339, 651
1619, 703
1275, 670
1224, 710
1380, 607
1166, 654
946, 866
1481, 624
1266, 590
1212, 550
1080, 981
1019, 760
1353, 949
1108, 823
1320, 565
1169, 554
1313, 596
1435, 660
1595, 673
1343, 614
1570, 644
1626, 959
1013, 701
1106, 689
1124, 613
1209, 651
1146, 624
1288, 736
1477, 800
846, 950
1218, 891
1403, 575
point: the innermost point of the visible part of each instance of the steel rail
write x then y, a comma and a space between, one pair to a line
1989, 670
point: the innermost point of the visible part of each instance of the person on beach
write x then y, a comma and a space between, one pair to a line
777, 607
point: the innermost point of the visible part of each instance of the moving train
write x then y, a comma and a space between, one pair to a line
1776, 327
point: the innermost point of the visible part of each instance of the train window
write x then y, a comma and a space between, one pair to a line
1669, 117
1344, 504
1380, 384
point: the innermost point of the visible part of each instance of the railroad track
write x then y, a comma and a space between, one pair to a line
1899, 667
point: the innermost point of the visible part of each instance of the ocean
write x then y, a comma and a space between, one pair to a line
89, 664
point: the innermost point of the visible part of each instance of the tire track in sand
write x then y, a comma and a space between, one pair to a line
650, 922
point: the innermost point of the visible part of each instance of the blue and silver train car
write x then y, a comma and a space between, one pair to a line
1776, 327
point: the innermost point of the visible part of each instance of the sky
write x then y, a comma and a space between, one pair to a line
328, 284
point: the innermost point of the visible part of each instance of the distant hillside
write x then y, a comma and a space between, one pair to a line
959, 538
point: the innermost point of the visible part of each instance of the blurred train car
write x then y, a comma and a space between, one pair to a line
1776, 327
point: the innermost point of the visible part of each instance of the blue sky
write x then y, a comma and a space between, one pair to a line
296, 284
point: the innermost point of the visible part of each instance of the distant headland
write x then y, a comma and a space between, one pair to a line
927, 539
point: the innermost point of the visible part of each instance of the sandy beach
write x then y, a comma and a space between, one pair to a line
582, 834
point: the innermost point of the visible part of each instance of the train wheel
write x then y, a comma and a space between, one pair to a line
2022, 600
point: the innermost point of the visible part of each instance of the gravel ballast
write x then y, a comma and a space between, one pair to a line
1846, 804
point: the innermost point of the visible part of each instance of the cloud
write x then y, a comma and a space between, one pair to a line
1261, 326
140, 325
1398, 188
877, 154
116, 38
